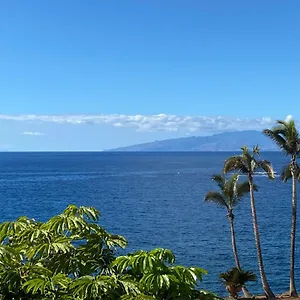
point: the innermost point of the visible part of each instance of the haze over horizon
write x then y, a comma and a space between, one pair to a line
102, 75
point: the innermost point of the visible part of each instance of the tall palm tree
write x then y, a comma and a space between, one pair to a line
231, 193
286, 137
247, 164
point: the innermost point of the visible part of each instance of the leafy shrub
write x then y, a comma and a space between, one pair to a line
234, 279
72, 257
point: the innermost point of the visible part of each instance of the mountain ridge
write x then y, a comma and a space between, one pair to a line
226, 141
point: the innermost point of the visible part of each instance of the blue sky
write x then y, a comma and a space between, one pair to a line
91, 75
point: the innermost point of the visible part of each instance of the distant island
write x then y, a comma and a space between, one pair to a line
227, 141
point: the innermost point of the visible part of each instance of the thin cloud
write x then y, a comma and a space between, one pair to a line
151, 123
33, 133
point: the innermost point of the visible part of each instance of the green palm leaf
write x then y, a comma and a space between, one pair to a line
231, 191
219, 179
237, 277
267, 167
285, 136
277, 138
217, 198
235, 163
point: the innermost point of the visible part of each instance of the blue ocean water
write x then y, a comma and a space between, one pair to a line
156, 200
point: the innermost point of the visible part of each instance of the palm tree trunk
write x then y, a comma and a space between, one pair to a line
293, 291
265, 284
234, 250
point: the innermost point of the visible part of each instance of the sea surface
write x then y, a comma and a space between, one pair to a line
156, 200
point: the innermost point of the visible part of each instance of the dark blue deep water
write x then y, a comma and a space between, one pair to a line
156, 200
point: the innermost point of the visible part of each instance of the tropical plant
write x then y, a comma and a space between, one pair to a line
230, 195
157, 275
47, 260
72, 257
286, 137
235, 279
247, 164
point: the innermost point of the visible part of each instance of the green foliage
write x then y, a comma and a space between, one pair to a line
231, 191
285, 135
72, 257
237, 277
247, 163
156, 275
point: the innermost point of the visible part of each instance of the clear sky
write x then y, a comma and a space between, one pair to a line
88, 75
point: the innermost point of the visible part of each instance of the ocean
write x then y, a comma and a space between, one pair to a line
156, 200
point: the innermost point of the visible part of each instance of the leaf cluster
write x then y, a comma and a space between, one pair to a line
72, 257
231, 191
236, 277
248, 163
157, 275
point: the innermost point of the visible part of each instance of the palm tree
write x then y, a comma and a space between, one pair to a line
286, 137
231, 193
247, 164
235, 279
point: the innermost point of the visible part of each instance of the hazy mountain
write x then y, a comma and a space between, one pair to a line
227, 141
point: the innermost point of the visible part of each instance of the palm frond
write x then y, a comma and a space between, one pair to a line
253, 165
289, 127
230, 187
237, 277
276, 137
279, 129
286, 136
256, 150
267, 167
217, 198
286, 173
231, 191
246, 154
235, 163
242, 189
282, 122
219, 179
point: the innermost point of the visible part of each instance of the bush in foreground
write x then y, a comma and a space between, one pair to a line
72, 257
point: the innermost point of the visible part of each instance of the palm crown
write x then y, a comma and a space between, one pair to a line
247, 163
285, 136
231, 191
237, 277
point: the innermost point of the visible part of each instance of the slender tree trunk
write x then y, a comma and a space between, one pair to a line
234, 249
293, 291
265, 284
